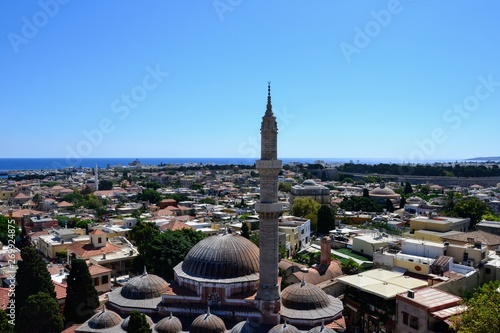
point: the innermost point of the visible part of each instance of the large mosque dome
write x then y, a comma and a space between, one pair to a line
223, 256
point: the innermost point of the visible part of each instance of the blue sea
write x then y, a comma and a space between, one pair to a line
26, 164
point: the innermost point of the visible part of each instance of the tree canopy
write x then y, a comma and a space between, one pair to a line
483, 311
81, 295
360, 204
105, 185
150, 195
165, 250
308, 208
326, 219
32, 277
138, 323
41, 314
5, 236
470, 207
143, 232
5, 326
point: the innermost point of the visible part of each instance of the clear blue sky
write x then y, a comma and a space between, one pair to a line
409, 80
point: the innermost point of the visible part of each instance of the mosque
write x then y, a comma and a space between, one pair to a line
225, 283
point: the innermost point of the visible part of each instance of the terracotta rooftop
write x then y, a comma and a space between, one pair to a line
4, 298
86, 251
175, 225
431, 299
98, 269
97, 232
64, 204
478, 236
60, 290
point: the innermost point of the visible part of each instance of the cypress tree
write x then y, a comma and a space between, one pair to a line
32, 277
81, 295
41, 314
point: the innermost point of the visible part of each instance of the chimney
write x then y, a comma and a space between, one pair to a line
411, 294
103, 256
326, 251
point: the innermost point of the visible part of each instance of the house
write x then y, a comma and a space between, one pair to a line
426, 310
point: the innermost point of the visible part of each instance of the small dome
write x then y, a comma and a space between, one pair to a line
309, 182
169, 324
382, 190
222, 256
104, 319
243, 327
321, 329
144, 286
127, 320
284, 328
290, 181
304, 296
207, 323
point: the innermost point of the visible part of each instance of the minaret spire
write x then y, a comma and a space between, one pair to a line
269, 108
269, 210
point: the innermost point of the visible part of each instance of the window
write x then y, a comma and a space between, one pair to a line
405, 318
414, 322
104, 279
99, 240
96, 282
487, 270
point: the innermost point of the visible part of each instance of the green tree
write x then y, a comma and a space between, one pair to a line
366, 193
81, 295
408, 188
32, 277
350, 267
138, 323
105, 185
165, 250
360, 204
472, 208
326, 219
143, 232
245, 232
308, 208
41, 314
5, 227
284, 187
75, 198
389, 206
150, 195
5, 326
483, 312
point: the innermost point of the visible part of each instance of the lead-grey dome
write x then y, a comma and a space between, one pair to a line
244, 327
222, 256
104, 319
304, 296
321, 329
207, 323
144, 286
169, 324
284, 328
309, 182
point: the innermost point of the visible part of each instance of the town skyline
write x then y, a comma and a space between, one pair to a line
391, 79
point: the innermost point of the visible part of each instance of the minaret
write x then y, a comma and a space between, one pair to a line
269, 211
96, 178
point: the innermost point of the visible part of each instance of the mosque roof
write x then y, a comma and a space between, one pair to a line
144, 286
222, 256
169, 324
208, 323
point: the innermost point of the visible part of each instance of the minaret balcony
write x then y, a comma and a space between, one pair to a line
268, 164
269, 207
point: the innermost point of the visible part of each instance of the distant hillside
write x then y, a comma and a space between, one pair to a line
493, 158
